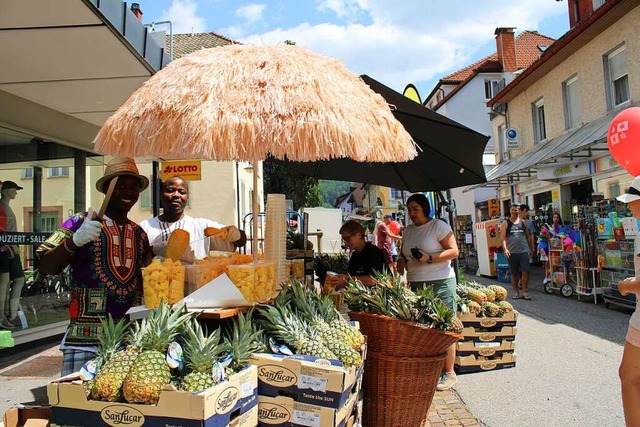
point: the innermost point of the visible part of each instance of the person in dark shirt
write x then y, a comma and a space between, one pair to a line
366, 258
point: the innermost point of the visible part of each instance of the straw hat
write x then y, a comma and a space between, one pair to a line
119, 166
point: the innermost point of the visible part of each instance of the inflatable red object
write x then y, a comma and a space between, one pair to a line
623, 140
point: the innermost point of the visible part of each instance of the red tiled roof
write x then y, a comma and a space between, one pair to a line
564, 42
528, 50
184, 44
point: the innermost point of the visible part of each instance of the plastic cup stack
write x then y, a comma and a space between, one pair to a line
275, 238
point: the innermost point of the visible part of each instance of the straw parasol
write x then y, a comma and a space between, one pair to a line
242, 102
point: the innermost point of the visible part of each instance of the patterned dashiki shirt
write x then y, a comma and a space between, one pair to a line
106, 276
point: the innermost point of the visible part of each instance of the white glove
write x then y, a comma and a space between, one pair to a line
88, 231
233, 234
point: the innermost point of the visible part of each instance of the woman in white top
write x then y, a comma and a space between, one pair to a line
174, 195
428, 246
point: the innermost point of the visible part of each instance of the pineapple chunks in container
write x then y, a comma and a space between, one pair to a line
297, 268
202, 272
163, 280
243, 276
256, 282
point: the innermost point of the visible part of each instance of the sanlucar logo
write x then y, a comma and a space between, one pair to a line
487, 323
227, 400
487, 352
120, 415
277, 375
487, 366
270, 413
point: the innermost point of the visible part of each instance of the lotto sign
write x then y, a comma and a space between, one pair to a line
623, 140
188, 170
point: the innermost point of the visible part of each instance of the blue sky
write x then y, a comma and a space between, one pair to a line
394, 41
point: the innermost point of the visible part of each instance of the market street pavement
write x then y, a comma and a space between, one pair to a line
566, 374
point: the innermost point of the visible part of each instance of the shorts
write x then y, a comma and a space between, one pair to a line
73, 360
633, 336
518, 263
445, 289
13, 266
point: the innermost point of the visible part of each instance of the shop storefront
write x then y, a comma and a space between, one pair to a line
69, 68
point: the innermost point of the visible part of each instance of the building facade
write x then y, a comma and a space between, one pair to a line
561, 108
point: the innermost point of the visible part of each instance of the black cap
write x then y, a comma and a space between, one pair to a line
10, 184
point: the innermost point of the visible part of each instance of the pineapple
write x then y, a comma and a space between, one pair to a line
491, 295
320, 311
474, 308
107, 385
477, 296
283, 325
505, 307
456, 326
500, 291
490, 309
201, 352
150, 372
442, 316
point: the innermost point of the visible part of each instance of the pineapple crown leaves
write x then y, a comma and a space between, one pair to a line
201, 349
242, 339
113, 337
162, 326
441, 316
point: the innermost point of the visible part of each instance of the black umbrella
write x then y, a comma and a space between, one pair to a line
449, 154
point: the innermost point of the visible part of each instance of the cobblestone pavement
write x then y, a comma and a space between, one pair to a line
448, 410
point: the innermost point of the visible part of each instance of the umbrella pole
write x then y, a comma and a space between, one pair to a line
256, 212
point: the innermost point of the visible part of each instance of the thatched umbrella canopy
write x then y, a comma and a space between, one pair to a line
241, 102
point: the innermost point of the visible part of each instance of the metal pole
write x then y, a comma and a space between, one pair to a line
155, 188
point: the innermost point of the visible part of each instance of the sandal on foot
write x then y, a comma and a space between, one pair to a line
527, 297
516, 297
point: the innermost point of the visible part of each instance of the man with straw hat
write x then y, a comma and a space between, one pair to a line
105, 256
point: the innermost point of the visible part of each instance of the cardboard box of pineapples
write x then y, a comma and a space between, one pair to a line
214, 406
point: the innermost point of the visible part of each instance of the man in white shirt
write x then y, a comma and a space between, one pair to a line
174, 195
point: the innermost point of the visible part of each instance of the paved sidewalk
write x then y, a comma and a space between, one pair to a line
448, 410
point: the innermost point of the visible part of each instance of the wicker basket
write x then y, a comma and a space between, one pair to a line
395, 337
398, 390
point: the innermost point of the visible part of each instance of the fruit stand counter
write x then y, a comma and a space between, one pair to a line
139, 312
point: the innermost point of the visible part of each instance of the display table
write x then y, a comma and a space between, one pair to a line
140, 312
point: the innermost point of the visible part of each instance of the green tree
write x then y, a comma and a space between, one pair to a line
303, 190
331, 190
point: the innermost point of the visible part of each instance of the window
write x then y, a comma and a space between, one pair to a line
539, 126
58, 172
571, 101
613, 189
616, 77
491, 88
26, 173
502, 143
597, 4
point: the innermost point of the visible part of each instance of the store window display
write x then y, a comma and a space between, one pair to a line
11, 274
